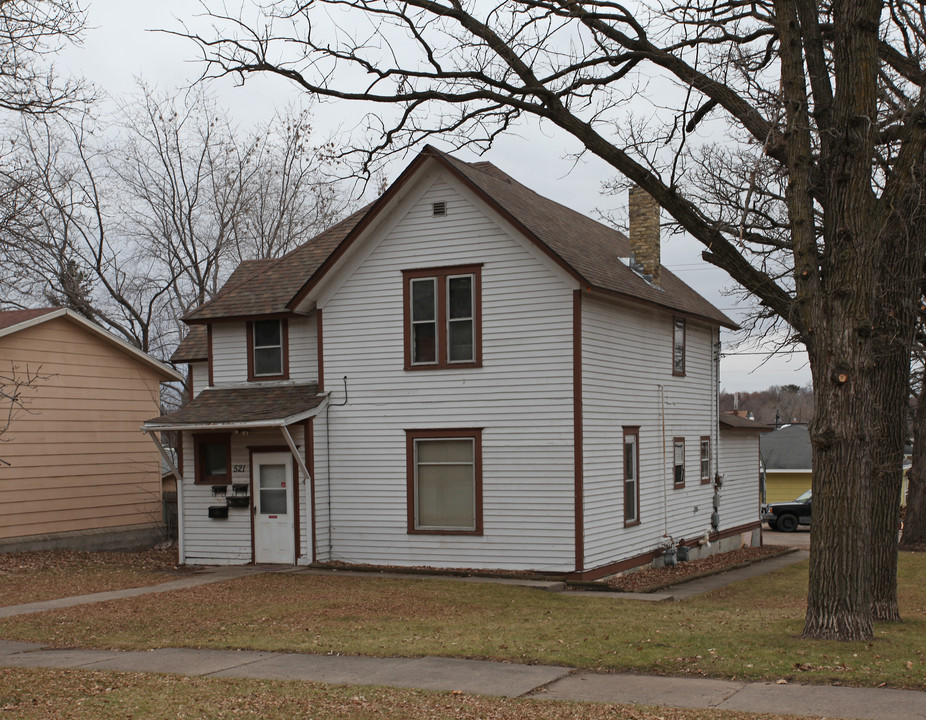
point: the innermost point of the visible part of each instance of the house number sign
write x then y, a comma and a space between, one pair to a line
239, 468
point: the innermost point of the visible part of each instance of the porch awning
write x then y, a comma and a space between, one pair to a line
243, 407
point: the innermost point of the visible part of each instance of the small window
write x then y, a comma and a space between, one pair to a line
678, 346
678, 464
445, 481
267, 341
631, 476
212, 458
442, 318
705, 460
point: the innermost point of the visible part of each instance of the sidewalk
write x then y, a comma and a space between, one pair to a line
490, 678
475, 676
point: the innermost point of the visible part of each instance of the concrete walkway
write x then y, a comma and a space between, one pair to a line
475, 676
205, 577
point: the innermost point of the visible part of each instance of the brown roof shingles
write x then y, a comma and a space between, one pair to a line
256, 404
269, 287
9, 318
593, 252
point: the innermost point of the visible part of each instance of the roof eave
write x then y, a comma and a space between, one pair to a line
247, 425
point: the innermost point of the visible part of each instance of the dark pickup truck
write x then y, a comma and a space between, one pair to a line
787, 516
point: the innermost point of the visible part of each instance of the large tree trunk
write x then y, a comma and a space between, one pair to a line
839, 592
887, 481
914, 526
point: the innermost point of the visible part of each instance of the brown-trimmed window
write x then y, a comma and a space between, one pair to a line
212, 458
443, 324
444, 481
268, 350
678, 346
631, 476
678, 462
705, 460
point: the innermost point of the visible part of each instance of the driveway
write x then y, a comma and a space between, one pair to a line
800, 538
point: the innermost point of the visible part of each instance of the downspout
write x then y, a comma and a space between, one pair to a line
181, 552
665, 458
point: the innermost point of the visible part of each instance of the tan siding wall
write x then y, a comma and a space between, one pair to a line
78, 459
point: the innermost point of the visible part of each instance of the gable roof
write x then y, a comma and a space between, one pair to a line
265, 287
13, 321
590, 251
788, 448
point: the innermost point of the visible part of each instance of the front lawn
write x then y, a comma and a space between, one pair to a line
34, 694
36, 576
750, 630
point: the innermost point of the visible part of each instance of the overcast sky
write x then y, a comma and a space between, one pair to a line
120, 47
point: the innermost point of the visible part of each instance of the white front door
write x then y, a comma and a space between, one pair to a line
274, 536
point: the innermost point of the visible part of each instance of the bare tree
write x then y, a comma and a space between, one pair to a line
31, 31
132, 224
829, 94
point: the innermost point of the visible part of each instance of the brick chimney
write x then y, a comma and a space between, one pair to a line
644, 231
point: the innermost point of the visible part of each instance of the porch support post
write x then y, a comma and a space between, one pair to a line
176, 473
306, 475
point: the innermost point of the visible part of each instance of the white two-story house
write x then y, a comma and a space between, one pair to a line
464, 374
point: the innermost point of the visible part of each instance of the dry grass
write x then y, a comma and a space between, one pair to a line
36, 576
38, 694
750, 630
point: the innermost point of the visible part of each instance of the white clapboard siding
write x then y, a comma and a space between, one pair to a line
209, 541
628, 381
229, 353
303, 349
230, 358
521, 397
739, 466
199, 372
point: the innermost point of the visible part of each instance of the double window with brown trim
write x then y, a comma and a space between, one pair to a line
268, 349
444, 481
443, 318
212, 458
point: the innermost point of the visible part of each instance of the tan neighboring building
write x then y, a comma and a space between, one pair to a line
75, 469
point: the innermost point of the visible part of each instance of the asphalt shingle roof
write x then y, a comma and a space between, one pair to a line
256, 404
734, 422
594, 252
9, 318
788, 448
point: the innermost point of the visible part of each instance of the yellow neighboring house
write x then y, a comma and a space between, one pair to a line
786, 462
75, 470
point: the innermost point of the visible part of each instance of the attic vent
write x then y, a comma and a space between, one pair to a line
439, 209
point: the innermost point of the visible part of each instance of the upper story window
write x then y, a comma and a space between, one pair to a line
678, 346
267, 350
443, 327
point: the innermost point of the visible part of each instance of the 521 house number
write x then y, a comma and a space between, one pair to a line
239, 468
